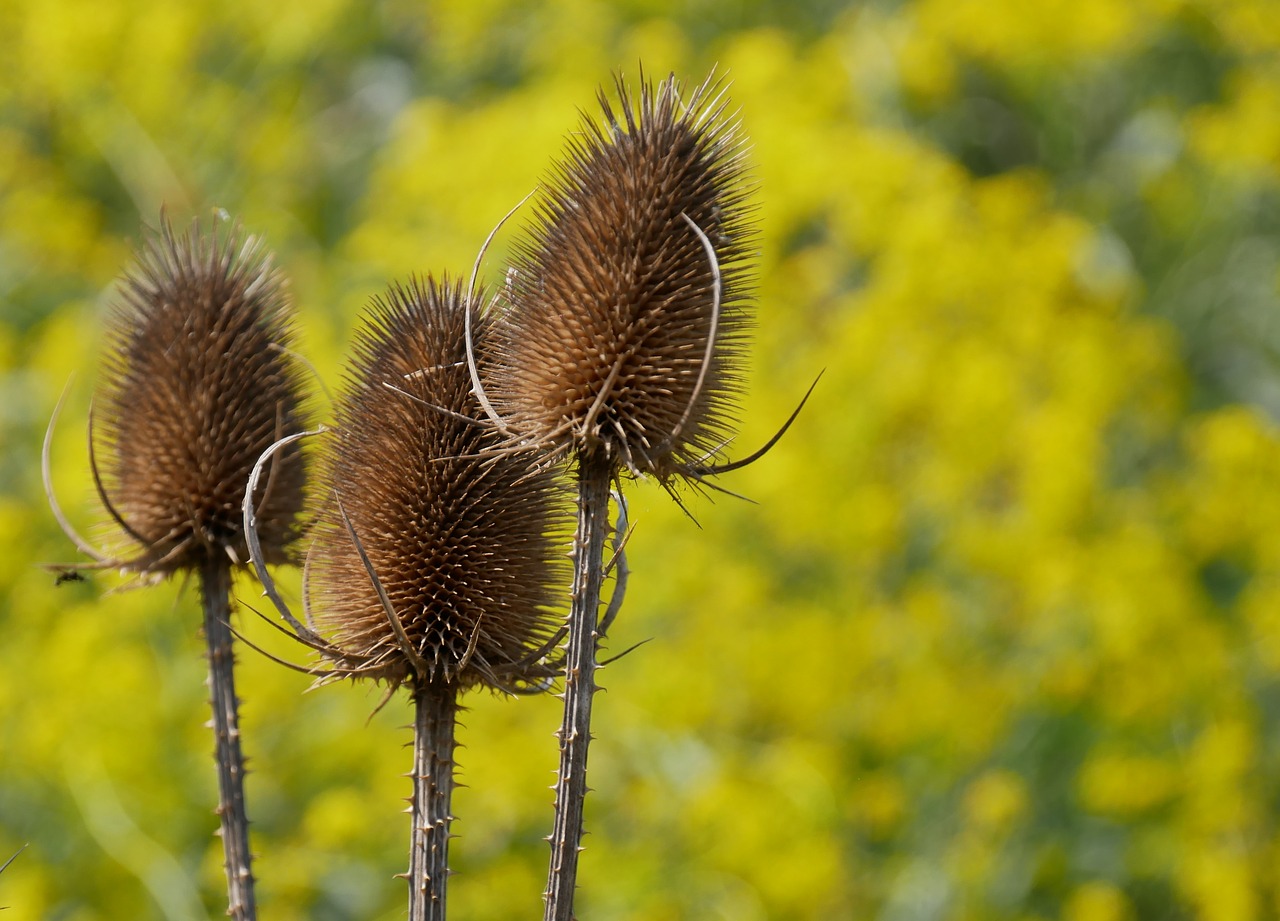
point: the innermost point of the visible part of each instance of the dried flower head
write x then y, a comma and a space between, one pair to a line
434, 559
628, 299
199, 380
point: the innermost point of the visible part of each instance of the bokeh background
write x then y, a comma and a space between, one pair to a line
1001, 638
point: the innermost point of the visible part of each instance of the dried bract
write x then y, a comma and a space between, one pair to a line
628, 299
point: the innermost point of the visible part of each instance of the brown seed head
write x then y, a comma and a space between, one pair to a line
198, 381
461, 540
612, 298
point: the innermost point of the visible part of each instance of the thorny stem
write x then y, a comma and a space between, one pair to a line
215, 578
435, 710
579, 685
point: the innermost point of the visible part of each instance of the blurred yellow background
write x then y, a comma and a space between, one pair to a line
1001, 639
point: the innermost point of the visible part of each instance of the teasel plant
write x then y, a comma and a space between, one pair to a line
435, 563
199, 377
619, 345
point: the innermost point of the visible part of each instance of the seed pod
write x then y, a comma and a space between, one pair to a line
628, 297
460, 540
199, 380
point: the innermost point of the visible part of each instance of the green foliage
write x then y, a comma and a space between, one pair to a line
1001, 638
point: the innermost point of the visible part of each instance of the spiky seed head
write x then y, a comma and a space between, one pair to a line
462, 541
199, 379
612, 295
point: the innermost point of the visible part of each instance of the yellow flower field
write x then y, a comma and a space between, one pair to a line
999, 637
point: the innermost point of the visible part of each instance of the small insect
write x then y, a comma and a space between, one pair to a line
68, 575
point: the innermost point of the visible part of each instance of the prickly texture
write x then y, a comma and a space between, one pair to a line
199, 380
579, 688
435, 714
462, 540
610, 304
215, 579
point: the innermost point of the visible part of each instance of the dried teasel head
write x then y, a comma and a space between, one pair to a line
199, 379
628, 299
434, 559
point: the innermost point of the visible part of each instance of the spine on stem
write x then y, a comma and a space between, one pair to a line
579, 686
237, 858
435, 712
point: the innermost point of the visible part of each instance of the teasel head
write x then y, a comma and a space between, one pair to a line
199, 378
628, 299
434, 560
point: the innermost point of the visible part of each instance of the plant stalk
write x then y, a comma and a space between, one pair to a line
579, 685
435, 712
215, 578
